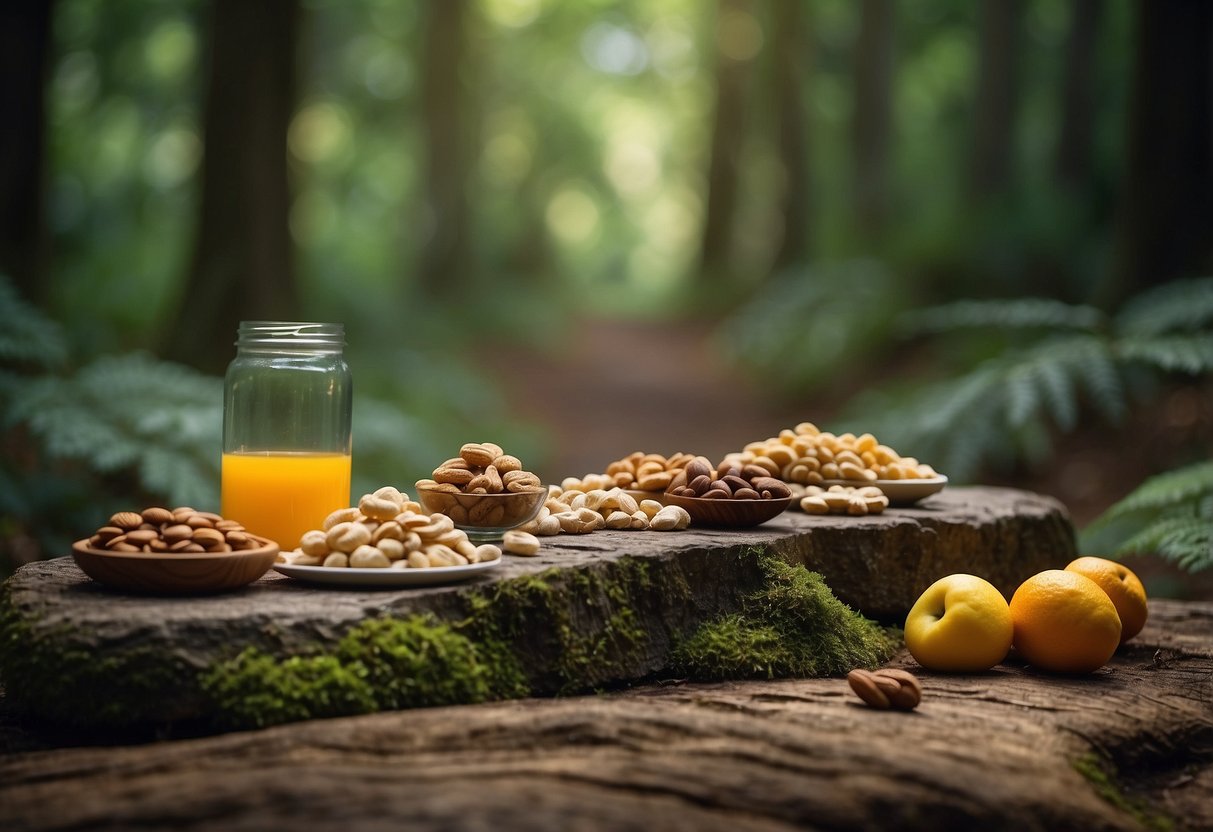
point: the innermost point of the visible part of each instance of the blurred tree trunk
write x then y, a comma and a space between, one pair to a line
790, 49
243, 258
25, 48
728, 138
1166, 210
1073, 163
443, 270
997, 96
873, 124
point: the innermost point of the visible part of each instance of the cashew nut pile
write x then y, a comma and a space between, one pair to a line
809, 456
637, 470
728, 481
179, 530
843, 499
481, 468
387, 530
573, 511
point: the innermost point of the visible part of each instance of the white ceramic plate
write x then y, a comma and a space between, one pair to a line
901, 492
338, 576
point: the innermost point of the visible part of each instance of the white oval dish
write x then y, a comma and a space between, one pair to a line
899, 492
347, 577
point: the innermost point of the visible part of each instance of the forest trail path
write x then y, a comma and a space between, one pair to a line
623, 387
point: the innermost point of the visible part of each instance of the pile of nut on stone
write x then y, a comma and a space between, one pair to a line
181, 530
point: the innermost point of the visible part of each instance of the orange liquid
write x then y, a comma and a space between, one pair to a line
283, 495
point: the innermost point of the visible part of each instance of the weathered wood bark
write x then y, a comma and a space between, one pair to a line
1073, 164
25, 47
790, 54
997, 96
445, 259
728, 137
872, 131
243, 263
1166, 207
655, 589
1007, 749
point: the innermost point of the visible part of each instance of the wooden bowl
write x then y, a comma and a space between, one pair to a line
166, 573
729, 514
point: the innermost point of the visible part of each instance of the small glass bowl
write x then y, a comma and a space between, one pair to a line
485, 518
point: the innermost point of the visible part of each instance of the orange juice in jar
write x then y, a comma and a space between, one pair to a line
282, 495
287, 406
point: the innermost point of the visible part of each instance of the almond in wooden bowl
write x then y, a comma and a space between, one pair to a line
729, 514
176, 573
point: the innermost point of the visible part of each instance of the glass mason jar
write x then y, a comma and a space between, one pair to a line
287, 406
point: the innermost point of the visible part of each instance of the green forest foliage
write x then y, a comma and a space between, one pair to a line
590, 136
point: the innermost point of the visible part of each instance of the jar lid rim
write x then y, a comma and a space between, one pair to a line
290, 333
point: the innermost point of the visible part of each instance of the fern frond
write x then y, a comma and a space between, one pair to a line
1093, 364
1026, 313
1187, 353
1185, 541
27, 337
1178, 306
1165, 492
162, 420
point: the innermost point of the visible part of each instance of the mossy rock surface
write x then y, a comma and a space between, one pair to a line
591, 612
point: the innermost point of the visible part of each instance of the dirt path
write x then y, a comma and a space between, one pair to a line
627, 387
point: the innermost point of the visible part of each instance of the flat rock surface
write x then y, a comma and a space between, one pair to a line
876, 564
1005, 749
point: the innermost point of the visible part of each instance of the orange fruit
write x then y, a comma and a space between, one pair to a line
1064, 622
1122, 586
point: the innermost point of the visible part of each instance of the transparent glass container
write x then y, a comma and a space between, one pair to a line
287, 408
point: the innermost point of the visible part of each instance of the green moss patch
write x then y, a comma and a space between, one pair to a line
792, 626
51, 675
1102, 776
381, 664
569, 629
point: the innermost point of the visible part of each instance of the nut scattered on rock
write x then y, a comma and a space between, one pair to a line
638, 471
573, 511
887, 688
180, 530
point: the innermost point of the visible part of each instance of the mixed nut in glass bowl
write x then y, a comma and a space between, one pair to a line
484, 491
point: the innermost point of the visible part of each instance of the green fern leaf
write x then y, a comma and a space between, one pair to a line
1165, 492
1027, 313
132, 412
1024, 393
1192, 354
1185, 541
1178, 306
1058, 389
1092, 363
27, 337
